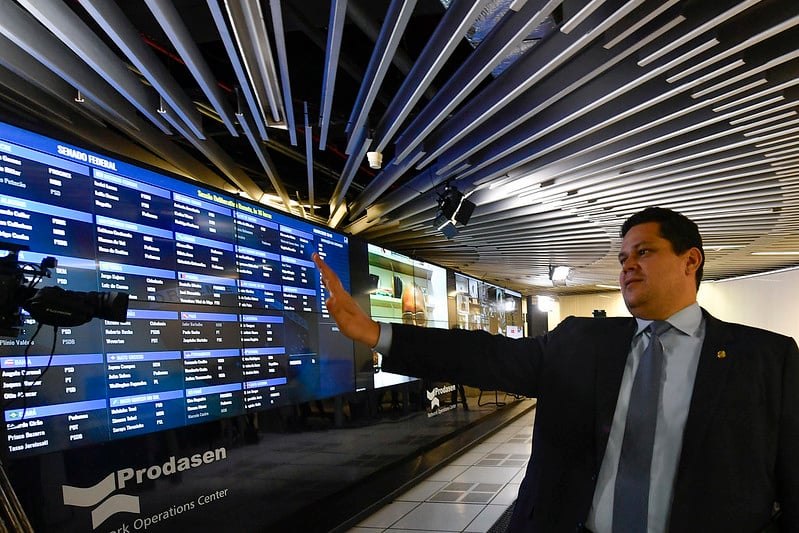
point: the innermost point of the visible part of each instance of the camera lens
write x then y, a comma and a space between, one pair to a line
110, 305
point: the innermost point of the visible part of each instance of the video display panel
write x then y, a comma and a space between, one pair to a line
405, 290
227, 311
482, 305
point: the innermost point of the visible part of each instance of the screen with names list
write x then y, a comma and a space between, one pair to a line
226, 316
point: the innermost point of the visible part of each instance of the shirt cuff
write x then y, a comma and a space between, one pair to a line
384, 340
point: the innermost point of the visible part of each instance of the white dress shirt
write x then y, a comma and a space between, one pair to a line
682, 345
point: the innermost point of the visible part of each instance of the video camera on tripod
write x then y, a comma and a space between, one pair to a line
51, 306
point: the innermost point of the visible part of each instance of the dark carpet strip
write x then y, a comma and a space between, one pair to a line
501, 525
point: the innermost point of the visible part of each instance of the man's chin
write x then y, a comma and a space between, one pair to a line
639, 309
631, 299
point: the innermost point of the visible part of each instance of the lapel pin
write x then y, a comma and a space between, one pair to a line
721, 354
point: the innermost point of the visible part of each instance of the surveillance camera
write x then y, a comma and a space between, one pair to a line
375, 159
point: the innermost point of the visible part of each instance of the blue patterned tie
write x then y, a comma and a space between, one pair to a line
631, 496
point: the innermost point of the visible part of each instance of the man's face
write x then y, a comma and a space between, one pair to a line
655, 281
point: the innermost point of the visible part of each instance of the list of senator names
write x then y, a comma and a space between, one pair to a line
209, 287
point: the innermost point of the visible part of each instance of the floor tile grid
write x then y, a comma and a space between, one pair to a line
467, 495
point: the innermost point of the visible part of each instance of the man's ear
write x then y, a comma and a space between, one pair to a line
693, 261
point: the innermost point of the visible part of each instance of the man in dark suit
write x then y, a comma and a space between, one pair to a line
725, 451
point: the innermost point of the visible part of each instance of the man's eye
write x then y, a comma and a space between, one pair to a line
643, 251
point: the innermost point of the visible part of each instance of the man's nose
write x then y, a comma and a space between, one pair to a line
628, 264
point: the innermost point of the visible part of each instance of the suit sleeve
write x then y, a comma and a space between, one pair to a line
787, 468
475, 358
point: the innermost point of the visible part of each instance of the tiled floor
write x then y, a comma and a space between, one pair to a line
327, 479
468, 494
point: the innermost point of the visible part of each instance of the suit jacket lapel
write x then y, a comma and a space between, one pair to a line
612, 355
711, 378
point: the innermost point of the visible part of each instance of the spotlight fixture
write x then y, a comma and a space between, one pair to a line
453, 208
464, 212
375, 159
445, 225
559, 275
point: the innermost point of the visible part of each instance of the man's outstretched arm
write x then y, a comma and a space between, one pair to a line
351, 319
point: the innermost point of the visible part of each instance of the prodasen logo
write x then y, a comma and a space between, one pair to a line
435, 403
89, 496
433, 399
124, 478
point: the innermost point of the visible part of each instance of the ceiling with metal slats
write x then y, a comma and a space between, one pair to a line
556, 119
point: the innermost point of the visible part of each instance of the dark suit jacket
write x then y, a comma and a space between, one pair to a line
740, 450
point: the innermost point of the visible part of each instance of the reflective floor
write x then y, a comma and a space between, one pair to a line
468, 494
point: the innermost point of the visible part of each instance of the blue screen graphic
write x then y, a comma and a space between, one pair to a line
227, 312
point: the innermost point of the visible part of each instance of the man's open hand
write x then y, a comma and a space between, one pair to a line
351, 319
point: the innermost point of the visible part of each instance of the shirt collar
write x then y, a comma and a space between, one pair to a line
688, 320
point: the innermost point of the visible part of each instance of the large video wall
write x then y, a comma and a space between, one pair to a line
226, 312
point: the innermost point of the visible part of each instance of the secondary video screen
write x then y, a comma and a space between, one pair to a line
226, 315
404, 290
482, 305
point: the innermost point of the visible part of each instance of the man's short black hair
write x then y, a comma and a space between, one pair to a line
679, 230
